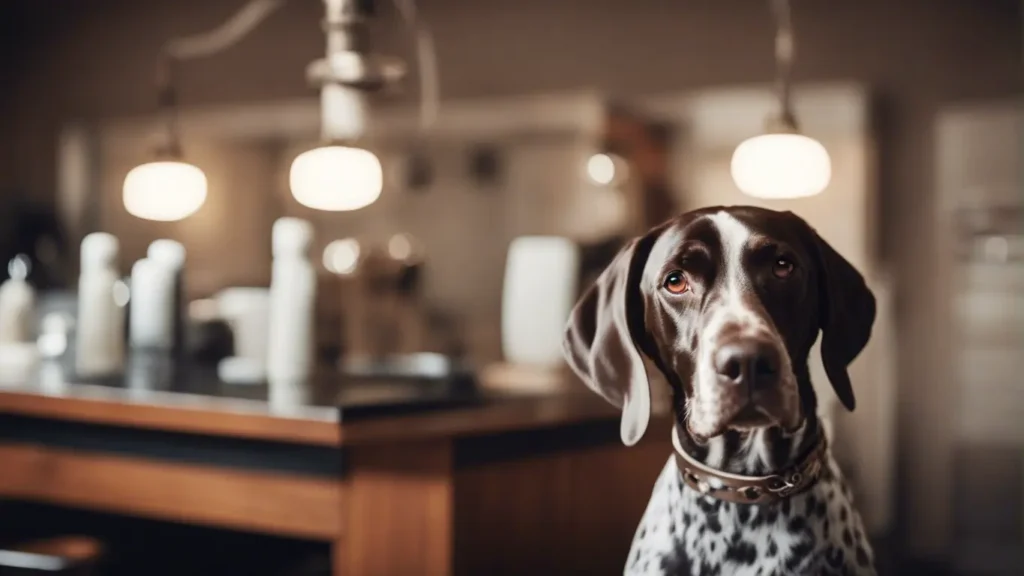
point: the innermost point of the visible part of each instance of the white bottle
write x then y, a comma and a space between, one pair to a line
161, 324
290, 346
150, 326
99, 338
151, 318
17, 303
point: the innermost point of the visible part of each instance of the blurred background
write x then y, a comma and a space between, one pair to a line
196, 405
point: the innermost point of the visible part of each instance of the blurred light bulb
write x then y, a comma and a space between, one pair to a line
601, 169
400, 247
997, 249
336, 178
781, 165
342, 256
164, 190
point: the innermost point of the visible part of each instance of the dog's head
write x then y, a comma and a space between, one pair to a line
727, 302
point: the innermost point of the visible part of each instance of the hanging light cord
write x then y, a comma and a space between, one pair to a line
426, 59
784, 54
245, 21
204, 44
226, 35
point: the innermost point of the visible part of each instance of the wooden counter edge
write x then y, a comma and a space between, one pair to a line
524, 413
170, 418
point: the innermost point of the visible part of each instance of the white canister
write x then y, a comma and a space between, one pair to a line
172, 254
246, 310
151, 323
167, 252
541, 277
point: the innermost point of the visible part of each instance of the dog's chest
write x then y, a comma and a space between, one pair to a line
685, 533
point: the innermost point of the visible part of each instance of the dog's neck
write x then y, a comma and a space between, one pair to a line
756, 452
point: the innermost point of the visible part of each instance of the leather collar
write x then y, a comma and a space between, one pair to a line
743, 489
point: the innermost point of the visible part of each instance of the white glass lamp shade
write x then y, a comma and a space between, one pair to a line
778, 166
336, 178
164, 191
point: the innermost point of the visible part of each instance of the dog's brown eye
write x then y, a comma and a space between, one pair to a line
782, 268
676, 283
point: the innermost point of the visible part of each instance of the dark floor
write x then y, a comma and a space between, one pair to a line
166, 549
969, 559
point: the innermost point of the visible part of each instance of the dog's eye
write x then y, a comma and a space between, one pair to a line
782, 267
676, 283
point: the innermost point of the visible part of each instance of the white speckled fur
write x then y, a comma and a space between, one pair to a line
666, 543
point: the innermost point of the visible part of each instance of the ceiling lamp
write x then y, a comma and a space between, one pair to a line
782, 162
164, 190
337, 176
167, 188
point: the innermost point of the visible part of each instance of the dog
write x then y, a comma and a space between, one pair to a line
727, 302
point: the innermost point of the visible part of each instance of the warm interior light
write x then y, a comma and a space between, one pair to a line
777, 166
165, 190
342, 256
601, 169
400, 247
336, 178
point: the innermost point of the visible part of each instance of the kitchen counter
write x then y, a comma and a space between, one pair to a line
486, 485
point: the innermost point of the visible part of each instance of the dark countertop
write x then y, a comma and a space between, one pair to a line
199, 404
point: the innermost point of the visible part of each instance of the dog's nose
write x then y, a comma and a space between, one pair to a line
750, 362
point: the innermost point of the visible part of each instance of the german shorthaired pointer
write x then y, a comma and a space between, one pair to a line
727, 302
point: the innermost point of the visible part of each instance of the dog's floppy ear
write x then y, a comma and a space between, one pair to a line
602, 336
846, 315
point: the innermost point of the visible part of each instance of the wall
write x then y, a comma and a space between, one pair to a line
915, 54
